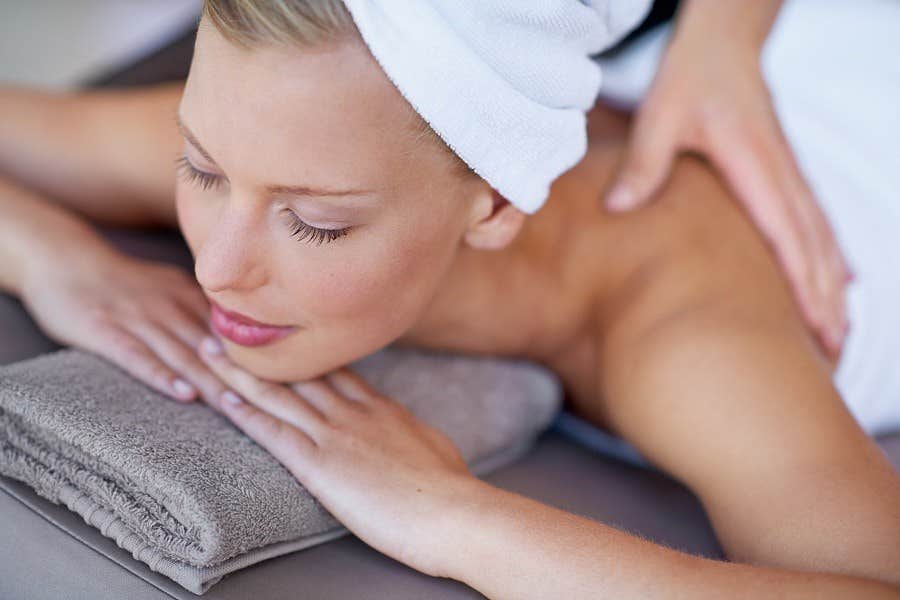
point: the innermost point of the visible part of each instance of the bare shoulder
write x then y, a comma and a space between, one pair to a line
707, 368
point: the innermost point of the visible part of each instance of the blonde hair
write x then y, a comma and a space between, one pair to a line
303, 23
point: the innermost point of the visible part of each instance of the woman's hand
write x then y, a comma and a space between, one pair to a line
391, 479
709, 96
146, 317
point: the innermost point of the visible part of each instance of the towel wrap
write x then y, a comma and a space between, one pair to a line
505, 83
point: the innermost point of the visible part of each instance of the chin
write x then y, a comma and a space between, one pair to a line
288, 369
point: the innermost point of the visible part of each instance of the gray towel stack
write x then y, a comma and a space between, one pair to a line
186, 492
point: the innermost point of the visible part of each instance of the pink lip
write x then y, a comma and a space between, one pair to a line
244, 330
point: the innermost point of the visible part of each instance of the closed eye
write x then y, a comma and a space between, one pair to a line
195, 176
305, 231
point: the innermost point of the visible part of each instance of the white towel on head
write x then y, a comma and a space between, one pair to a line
505, 83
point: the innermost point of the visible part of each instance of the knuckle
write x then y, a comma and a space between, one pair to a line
335, 428
97, 318
295, 444
158, 372
265, 423
128, 348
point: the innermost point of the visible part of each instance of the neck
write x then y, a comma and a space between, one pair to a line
503, 303
537, 298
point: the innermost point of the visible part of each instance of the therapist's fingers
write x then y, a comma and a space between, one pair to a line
832, 273
828, 265
752, 168
651, 148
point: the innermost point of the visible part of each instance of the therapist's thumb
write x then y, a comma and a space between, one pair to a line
646, 164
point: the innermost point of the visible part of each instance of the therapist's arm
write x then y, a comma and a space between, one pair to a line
107, 155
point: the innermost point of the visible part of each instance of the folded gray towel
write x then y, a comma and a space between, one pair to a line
188, 493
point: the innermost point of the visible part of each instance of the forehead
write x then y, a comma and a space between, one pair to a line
301, 110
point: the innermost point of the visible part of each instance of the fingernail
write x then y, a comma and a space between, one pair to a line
183, 388
621, 198
231, 398
211, 346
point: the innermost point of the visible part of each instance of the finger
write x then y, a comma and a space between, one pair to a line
830, 276
330, 402
352, 385
832, 267
647, 159
755, 180
181, 357
829, 264
291, 445
191, 298
440, 439
136, 358
183, 286
273, 398
184, 324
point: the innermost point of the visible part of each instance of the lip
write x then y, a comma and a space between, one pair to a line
243, 330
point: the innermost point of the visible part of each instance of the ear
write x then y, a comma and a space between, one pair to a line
494, 221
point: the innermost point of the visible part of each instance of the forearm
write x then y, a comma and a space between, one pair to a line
510, 546
104, 154
34, 231
747, 22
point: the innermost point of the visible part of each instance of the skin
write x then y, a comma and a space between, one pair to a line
348, 296
623, 308
717, 103
664, 323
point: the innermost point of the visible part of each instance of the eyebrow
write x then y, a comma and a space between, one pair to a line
299, 190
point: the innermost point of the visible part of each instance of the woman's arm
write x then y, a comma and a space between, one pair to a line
509, 546
403, 488
104, 154
33, 230
144, 316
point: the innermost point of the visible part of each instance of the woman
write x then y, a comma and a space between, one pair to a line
671, 326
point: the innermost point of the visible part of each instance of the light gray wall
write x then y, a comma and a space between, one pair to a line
57, 43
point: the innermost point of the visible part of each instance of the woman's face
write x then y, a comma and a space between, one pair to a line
326, 119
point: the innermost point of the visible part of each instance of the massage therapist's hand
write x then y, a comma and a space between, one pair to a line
709, 96
390, 478
146, 317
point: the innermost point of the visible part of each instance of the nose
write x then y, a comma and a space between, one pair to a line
228, 257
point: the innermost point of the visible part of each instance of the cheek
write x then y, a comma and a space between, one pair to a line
383, 285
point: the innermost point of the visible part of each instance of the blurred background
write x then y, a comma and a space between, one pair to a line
65, 44
94, 43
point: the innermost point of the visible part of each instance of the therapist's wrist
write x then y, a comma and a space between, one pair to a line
736, 24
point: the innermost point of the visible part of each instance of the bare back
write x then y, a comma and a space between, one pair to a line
698, 355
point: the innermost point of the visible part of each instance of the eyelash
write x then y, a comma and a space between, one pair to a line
306, 231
